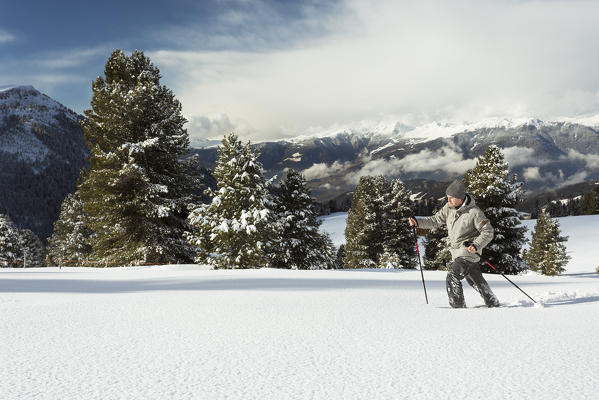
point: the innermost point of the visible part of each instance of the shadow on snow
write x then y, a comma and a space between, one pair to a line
12, 285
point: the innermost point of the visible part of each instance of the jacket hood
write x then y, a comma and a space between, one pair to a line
467, 204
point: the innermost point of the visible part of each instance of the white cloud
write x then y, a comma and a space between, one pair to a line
209, 127
6, 37
471, 60
516, 155
572, 179
554, 180
592, 160
446, 159
374, 167
70, 58
532, 174
322, 170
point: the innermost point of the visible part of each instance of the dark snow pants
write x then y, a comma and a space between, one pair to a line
460, 269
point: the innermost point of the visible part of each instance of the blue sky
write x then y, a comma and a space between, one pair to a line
270, 69
61, 44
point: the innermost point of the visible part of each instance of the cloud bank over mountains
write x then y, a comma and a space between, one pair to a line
440, 60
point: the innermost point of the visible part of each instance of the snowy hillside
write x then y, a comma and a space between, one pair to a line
183, 332
41, 152
34, 111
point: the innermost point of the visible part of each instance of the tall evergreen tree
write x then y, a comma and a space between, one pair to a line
555, 259
33, 249
70, 243
397, 207
589, 203
364, 235
239, 227
11, 246
497, 194
136, 189
547, 252
340, 259
302, 246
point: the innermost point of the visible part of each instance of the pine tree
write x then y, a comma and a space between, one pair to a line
589, 203
547, 252
11, 250
239, 227
497, 194
329, 252
397, 208
340, 259
376, 225
555, 259
136, 189
33, 249
364, 233
70, 243
436, 243
302, 246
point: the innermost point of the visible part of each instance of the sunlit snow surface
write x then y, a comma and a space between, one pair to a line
184, 332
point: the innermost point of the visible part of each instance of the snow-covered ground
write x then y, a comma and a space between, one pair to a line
183, 332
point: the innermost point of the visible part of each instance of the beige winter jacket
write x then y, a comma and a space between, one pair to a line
466, 223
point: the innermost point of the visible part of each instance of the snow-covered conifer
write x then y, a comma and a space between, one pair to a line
302, 245
397, 207
364, 234
136, 190
11, 250
328, 260
340, 259
70, 243
497, 194
547, 252
33, 249
376, 225
239, 227
555, 259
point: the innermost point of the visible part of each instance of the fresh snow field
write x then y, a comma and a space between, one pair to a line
184, 332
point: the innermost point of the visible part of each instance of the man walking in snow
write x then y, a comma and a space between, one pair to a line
469, 231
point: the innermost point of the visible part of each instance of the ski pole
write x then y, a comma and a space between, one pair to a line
508, 279
467, 244
419, 262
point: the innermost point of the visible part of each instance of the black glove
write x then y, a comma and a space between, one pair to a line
469, 243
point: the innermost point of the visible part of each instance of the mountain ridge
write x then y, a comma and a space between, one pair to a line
42, 152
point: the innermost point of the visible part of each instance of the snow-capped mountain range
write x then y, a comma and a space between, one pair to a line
545, 154
394, 127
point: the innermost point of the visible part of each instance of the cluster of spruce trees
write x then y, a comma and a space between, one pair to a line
135, 203
245, 225
377, 234
584, 204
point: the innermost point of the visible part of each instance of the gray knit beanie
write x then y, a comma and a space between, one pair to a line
456, 189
